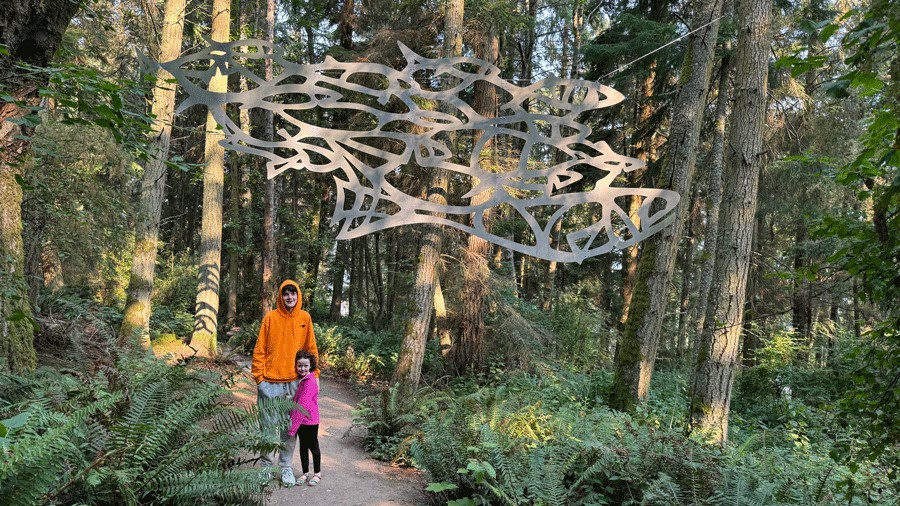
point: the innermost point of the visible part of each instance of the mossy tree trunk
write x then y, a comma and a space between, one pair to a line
206, 310
640, 337
31, 31
718, 351
136, 321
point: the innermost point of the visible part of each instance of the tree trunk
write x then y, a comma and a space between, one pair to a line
751, 340
635, 179
469, 347
31, 32
714, 197
346, 19
687, 276
716, 359
338, 267
136, 319
636, 356
237, 198
356, 277
441, 318
415, 334
206, 313
801, 303
267, 286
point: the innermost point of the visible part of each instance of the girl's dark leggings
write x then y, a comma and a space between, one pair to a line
309, 442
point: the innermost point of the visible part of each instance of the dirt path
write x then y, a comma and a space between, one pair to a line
349, 476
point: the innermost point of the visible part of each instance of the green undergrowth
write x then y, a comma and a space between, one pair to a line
124, 428
548, 438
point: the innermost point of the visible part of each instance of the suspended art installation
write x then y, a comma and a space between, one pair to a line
379, 130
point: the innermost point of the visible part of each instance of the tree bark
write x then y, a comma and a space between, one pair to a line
469, 348
687, 276
31, 31
237, 195
136, 320
346, 20
643, 150
415, 334
267, 286
714, 198
636, 356
717, 357
206, 312
338, 268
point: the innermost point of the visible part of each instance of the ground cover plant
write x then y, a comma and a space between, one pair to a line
109, 424
548, 436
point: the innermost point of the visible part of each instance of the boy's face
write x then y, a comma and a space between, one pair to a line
289, 298
303, 366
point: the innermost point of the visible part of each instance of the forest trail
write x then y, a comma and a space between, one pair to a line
349, 476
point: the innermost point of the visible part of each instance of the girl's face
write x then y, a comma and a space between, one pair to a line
303, 366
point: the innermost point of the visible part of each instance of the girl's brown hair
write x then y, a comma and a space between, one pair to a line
309, 356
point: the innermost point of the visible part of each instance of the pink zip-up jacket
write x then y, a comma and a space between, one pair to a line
307, 397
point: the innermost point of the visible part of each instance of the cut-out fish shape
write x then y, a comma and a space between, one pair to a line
368, 124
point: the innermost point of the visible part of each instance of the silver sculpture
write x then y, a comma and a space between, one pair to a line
394, 121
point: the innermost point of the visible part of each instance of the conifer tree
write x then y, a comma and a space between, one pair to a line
136, 321
30, 32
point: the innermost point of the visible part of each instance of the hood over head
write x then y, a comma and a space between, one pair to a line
281, 307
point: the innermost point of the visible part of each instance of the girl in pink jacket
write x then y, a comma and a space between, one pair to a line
305, 421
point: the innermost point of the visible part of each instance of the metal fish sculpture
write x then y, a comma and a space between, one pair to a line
371, 125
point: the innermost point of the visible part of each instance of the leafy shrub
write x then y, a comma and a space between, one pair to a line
390, 420
584, 338
546, 439
128, 430
359, 354
170, 320
176, 281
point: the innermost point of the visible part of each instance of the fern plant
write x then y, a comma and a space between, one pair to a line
137, 432
390, 419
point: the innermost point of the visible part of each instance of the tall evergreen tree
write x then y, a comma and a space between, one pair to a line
136, 320
206, 310
637, 349
412, 350
717, 356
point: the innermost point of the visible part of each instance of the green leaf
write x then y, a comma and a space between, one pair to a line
807, 26
838, 89
869, 83
466, 501
827, 32
13, 423
21, 182
440, 487
28, 121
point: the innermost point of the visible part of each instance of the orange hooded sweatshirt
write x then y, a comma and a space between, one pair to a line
281, 335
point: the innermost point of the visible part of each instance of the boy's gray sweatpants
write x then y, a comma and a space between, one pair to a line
277, 420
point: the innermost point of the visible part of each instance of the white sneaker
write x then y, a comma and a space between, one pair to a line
287, 477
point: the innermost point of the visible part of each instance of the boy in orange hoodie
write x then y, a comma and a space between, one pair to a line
283, 332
